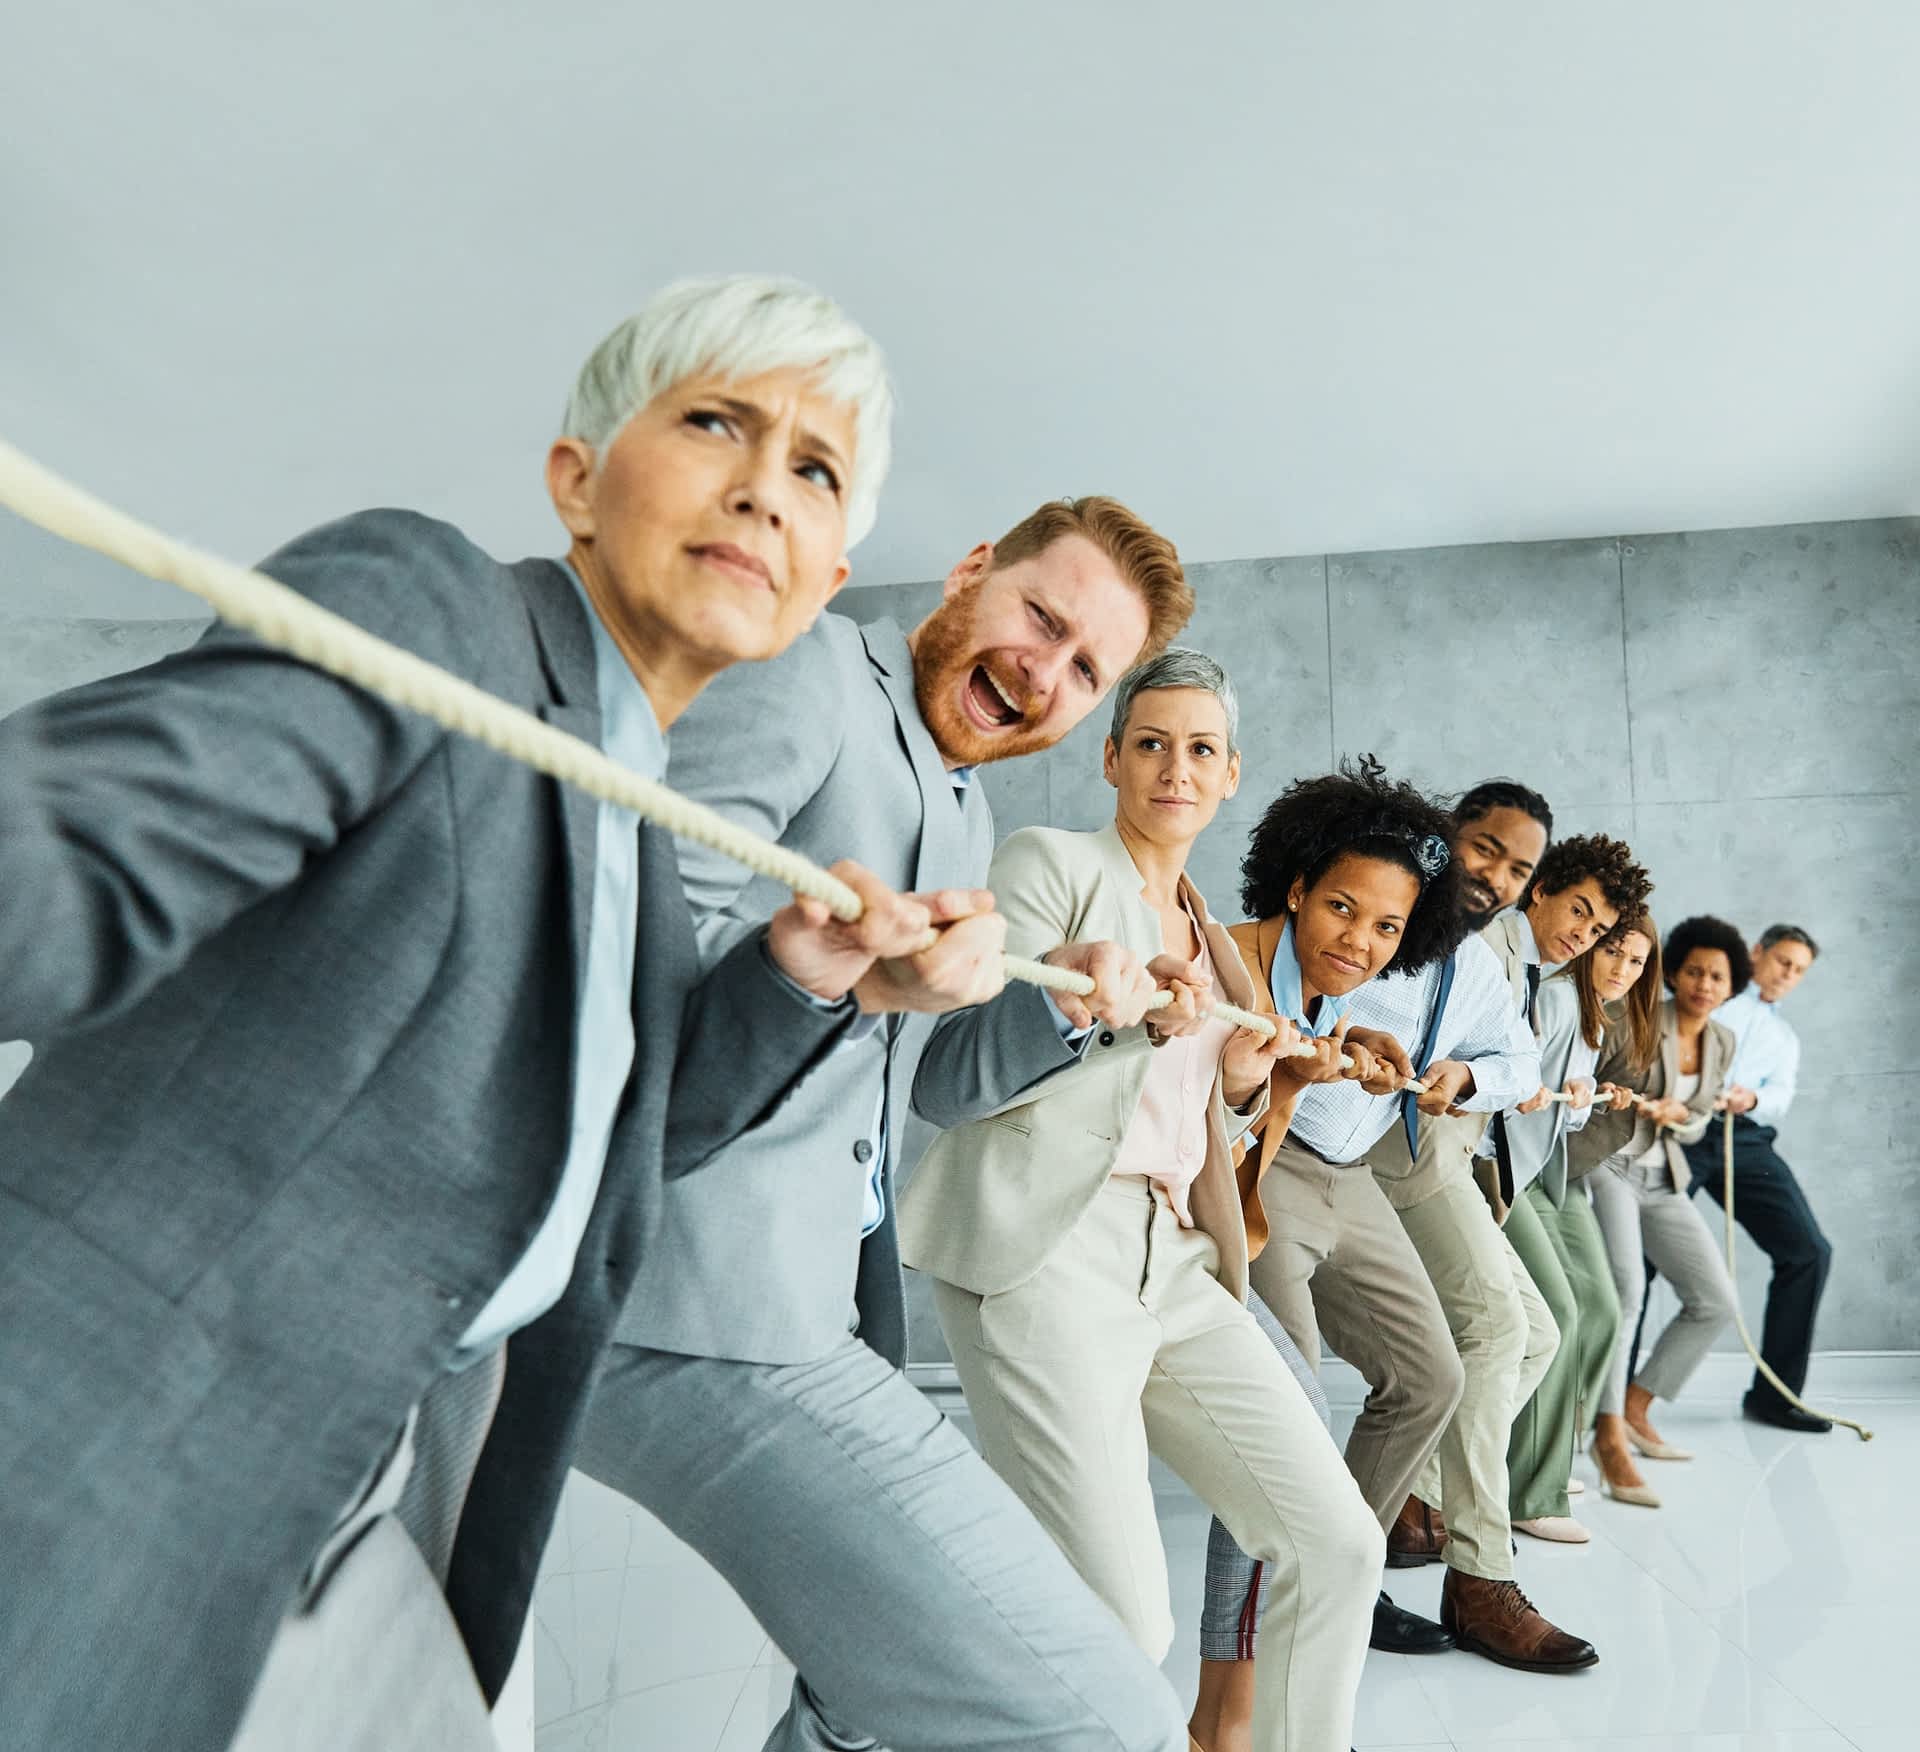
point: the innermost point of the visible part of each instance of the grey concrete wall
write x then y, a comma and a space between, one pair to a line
1742, 705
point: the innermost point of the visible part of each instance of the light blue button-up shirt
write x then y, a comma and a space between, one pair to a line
1766, 1056
1287, 999
629, 733
1341, 1121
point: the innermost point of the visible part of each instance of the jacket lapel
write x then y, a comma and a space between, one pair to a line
560, 627
1669, 1048
943, 827
1139, 922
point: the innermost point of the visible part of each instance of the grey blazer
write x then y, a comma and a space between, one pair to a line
824, 749
300, 970
1607, 1134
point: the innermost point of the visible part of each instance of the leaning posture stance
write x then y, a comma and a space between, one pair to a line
1081, 1220
354, 1044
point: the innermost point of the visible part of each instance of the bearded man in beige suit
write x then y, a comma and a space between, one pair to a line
1082, 1221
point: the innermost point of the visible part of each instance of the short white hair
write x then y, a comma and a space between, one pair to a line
739, 325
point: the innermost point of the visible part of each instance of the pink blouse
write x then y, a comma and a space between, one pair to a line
1167, 1139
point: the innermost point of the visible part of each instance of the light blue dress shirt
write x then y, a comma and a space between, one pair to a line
1285, 986
629, 733
1766, 1056
1480, 1026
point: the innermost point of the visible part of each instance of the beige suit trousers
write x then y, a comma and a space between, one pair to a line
1339, 1264
1123, 1344
1506, 1338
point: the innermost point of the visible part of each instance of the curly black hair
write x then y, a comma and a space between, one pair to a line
1608, 861
1359, 809
1706, 932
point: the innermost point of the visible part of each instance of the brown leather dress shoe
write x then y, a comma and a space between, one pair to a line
1417, 1536
1496, 1620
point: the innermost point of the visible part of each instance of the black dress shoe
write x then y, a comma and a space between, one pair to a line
1397, 1631
1784, 1416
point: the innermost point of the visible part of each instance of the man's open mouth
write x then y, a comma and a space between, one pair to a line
990, 700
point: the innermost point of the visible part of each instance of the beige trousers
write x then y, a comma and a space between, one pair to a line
1506, 1338
1340, 1265
1124, 1343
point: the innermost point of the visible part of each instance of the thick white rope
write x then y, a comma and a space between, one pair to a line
287, 621
1740, 1319
1645, 1104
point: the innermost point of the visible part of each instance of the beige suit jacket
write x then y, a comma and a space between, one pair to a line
993, 1197
1606, 1134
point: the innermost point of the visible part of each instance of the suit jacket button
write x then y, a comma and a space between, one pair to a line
1106, 1037
863, 1150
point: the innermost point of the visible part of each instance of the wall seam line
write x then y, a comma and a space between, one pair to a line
1626, 683
1326, 599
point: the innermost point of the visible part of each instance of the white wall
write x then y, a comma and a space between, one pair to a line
1294, 279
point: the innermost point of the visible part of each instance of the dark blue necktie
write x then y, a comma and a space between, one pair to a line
1410, 1102
1502, 1151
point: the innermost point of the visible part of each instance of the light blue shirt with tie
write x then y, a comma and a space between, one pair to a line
629, 733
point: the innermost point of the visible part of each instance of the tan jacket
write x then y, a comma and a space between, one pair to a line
1035, 1125
1607, 1134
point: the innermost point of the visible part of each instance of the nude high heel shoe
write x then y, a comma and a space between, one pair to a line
1643, 1494
1653, 1450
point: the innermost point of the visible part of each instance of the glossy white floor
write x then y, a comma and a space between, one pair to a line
1768, 1607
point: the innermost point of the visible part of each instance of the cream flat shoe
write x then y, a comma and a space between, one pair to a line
1576, 1487
1560, 1529
1652, 1450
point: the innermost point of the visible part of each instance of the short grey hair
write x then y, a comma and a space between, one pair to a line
740, 325
1777, 934
1177, 666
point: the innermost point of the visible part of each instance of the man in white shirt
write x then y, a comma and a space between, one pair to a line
1767, 1198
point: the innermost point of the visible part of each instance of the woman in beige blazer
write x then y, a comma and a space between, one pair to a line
1083, 1226
1636, 1169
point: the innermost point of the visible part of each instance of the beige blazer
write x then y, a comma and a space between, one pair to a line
1607, 1134
993, 1196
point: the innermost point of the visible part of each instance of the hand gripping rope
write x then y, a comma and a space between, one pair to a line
287, 621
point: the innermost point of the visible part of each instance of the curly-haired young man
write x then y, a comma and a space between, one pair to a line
1580, 890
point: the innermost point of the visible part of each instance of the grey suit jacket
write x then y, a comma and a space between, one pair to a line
301, 973
1607, 1134
1537, 1142
824, 749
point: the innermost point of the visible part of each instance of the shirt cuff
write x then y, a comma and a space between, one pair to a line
846, 1006
1068, 1032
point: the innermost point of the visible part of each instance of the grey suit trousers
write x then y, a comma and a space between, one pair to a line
1642, 1215
924, 1605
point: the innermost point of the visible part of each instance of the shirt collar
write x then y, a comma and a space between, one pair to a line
1530, 944
629, 730
962, 777
1286, 990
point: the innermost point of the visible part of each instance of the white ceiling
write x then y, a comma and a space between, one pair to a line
1289, 278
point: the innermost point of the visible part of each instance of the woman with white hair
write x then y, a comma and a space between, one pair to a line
391, 1024
1082, 1222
